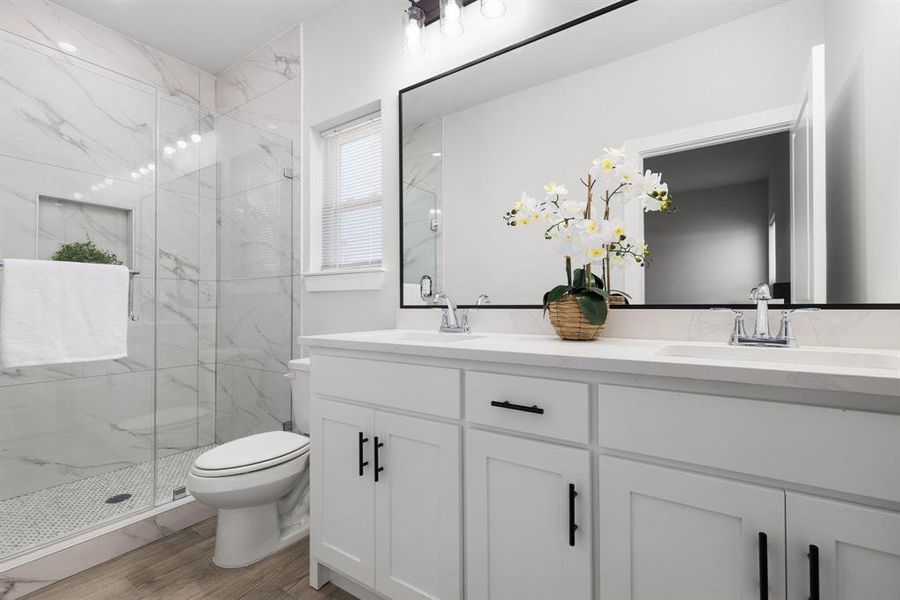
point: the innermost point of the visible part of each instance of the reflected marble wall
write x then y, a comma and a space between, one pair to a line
84, 128
257, 129
423, 221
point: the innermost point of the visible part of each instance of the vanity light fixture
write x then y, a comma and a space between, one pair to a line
452, 18
414, 30
195, 137
181, 144
169, 150
67, 47
493, 9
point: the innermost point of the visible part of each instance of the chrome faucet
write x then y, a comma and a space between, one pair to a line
761, 336
452, 320
761, 295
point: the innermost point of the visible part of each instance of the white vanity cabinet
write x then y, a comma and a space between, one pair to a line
528, 519
842, 551
668, 534
385, 500
503, 481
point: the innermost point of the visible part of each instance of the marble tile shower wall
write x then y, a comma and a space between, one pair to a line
80, 128
258, 101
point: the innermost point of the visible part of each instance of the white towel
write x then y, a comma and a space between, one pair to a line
59, 312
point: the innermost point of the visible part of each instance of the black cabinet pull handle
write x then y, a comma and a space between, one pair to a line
763, 566
377, 468
362, 463
813, 572
507, 404
572, 526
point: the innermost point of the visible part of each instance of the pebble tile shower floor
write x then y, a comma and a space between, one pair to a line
54, 513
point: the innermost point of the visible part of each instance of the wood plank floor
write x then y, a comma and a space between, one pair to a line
179, 567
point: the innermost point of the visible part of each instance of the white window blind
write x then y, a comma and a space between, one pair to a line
351, 205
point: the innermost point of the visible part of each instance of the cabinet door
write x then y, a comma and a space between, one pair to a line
667, 534
342, 527
519, 544
858, 550
417, 509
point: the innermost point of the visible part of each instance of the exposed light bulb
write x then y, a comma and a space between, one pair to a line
451, 18
195, 137
143, 170
181, 144
413, 30
67, 47
493, 9
169, 150
151, 166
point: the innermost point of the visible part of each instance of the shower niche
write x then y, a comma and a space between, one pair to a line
62, 221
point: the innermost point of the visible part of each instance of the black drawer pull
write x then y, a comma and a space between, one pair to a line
377, 468
362, 463
763, 566
813, 572
507, 404
572, 526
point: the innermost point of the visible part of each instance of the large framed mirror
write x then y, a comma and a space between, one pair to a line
774, 123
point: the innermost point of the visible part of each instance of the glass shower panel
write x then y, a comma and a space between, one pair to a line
422, 231
77, 162
255, 296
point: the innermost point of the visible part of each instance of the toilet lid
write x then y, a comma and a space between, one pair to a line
262, 449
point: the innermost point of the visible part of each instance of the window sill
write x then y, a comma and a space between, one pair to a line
347, 280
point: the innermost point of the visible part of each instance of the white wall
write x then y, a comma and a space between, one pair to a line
862, 85
353, 56
552, 131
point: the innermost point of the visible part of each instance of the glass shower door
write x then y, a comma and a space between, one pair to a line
77, 163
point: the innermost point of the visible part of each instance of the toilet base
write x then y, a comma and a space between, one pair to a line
247, 535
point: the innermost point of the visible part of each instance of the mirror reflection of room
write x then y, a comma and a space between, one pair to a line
762, 145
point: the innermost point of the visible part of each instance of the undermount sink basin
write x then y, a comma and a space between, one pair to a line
794, 356
433, 336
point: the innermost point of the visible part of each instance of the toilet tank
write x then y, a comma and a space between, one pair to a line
300, 394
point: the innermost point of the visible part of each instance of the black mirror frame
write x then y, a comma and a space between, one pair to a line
589, 16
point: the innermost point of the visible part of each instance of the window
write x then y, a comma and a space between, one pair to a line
351, 204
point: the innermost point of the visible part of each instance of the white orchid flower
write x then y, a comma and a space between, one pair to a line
555, 189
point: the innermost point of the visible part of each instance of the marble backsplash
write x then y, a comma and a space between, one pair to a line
876, 329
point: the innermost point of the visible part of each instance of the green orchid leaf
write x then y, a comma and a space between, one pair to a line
593, 308
555, 294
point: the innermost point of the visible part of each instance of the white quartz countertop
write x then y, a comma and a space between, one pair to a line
815, 368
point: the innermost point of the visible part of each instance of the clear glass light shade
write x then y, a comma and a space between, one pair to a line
452, 18
414, 30
493, 9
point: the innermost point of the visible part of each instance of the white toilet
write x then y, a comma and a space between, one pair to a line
259, 484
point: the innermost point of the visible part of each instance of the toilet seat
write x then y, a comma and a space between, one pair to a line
251, 454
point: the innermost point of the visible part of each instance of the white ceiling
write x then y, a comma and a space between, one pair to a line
211, 34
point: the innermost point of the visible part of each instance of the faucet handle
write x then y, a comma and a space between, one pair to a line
739, 330
482, 299
785, 333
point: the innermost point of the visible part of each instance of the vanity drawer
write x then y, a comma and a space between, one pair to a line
418, 388
842, 450
547, 407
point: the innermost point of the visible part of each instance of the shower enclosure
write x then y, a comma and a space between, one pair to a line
89, 154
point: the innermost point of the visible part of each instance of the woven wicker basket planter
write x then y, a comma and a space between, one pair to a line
570, 323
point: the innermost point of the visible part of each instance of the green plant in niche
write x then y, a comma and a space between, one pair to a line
85, 252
